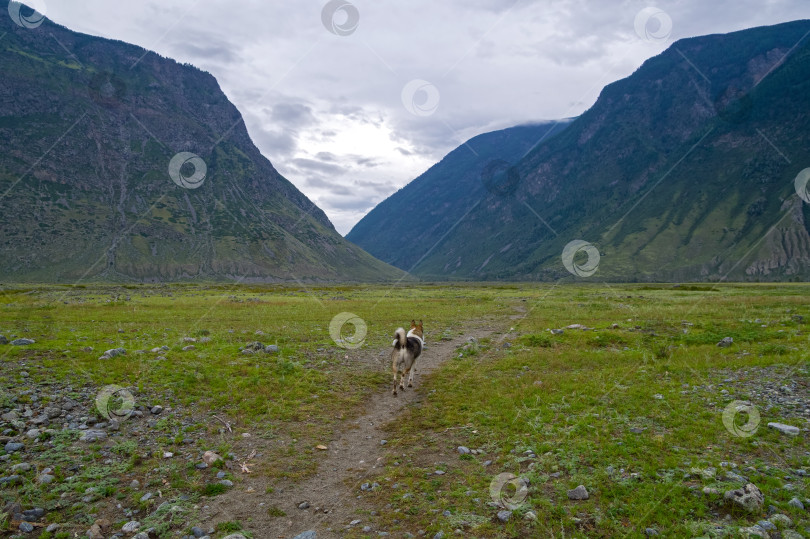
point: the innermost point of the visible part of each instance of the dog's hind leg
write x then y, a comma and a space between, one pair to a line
402, 379
410, 377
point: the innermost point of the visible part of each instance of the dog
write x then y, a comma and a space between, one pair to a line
407, 348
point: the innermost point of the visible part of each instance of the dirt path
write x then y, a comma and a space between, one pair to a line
354, 457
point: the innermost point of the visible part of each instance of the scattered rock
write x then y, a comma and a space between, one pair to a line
579, 493
13, 447
113, 352
189, 348
271, 349
26, 527
649, 532
781, 521
753, 531
439, 472
22, 342
90, 435
21, 467
797, 503
155, 410
557, 331
749, 498
3, 339
726, 342
303, 505
209, 457
235, 536
11, 480
131, 526
309, 534
504, 516
45, 479
463, 450
226, 483
785, 429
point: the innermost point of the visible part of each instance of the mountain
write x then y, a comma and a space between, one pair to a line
399, 229
682, 171
90, 129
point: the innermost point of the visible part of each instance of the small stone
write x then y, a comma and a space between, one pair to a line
141, 535
790, 534
785, 429
22, 342
226, 483
557, 331
579, 493
753, 531
26, 527
235, 536
725, 342
309, 534
355, 522
271, 349
114, 352
13, 447
3, 339
197, 532
91, 436
383, 442
439, 472
463, 450
21, 467
504, 515
10, 480
34, 514
45, 479
767, 525
303, 505
155, 410
749, 498
146, 497
649, 532
797, 503
209, 457
781, 521
530, 515
131, 526
135, 484
189, 348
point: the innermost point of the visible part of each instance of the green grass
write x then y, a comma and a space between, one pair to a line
650, 364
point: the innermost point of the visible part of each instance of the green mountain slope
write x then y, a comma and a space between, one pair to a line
89, 128
683, 171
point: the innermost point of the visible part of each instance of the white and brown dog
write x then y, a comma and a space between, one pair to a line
407, 348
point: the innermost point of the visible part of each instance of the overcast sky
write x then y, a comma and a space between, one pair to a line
352, 100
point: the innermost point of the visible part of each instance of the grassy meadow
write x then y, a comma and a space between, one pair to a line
630, 407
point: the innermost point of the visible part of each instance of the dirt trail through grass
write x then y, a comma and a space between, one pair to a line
355, 456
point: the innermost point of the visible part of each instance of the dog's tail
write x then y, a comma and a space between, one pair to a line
400, 338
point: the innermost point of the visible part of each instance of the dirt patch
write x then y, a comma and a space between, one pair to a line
354, 456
